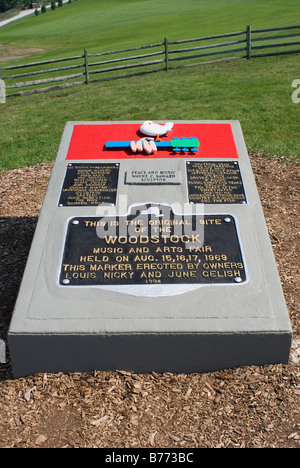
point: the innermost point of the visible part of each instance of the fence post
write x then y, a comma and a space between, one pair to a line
248, 34
86, 64
167, 53
2, 94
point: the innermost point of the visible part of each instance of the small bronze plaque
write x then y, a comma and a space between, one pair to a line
152, 177
215, 182
146, 249
90, 185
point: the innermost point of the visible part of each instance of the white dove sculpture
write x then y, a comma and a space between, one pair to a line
156, 130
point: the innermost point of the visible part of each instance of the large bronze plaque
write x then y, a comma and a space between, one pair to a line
90, 185
142, 249
215, 182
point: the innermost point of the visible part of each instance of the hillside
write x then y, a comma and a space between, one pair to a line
110, 25
256, 92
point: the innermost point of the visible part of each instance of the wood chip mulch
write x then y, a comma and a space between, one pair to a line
249, 407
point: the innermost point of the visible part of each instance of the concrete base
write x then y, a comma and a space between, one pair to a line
143, 353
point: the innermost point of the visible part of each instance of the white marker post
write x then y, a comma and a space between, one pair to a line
2, 352
2, 92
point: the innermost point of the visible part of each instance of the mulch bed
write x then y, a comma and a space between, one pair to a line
244, 407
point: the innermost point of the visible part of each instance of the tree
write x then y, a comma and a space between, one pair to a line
8, 4
43, 9
53, 5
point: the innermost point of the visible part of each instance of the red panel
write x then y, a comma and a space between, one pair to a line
88, 141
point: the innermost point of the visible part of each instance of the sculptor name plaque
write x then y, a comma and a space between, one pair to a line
90, 185
139, 250
152, 177
215, 182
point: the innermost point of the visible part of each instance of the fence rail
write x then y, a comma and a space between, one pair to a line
163, 56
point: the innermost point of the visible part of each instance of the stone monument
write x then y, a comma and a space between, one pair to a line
151, 253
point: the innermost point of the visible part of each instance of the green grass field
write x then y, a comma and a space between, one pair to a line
100, 25
256, 92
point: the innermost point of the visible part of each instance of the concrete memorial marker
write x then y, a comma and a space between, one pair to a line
150, 254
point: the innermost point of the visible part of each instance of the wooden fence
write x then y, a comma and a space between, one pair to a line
164, 56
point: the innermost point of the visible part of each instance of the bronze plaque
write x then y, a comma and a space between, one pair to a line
215, 182
153, 177
142, 249
90, 184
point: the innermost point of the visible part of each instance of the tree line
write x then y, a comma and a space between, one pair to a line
9, 4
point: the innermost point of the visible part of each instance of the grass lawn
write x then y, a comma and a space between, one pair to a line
116, 24
256, 92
